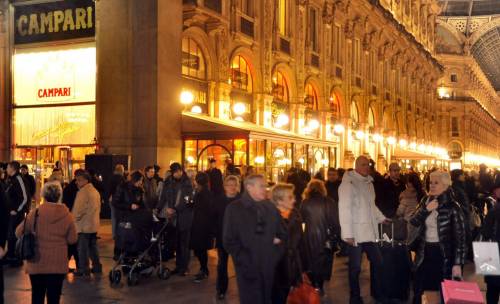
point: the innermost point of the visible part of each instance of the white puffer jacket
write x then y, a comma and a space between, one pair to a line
359, 216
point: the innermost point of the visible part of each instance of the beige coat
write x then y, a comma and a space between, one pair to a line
86, 209
55, 229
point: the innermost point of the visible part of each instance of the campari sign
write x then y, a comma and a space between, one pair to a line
54, 21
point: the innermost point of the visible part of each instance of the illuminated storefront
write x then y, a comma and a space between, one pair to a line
54, 85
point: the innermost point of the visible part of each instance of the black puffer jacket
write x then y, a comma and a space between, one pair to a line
451, 231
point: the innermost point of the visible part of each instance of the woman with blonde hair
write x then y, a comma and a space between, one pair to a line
321, 232
440, 243
289, 268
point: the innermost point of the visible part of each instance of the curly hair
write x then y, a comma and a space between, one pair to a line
314, 187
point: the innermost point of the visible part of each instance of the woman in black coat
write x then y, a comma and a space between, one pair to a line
491, 231
289, 268
203, 224
441, 244
321, 233
128, 202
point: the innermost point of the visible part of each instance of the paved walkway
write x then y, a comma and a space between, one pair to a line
176, 290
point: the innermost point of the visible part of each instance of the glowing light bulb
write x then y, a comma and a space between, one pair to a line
187, 97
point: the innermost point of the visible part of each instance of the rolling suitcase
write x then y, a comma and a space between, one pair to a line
396, 270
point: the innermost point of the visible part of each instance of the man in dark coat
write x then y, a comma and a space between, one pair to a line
69, 196
231, 193
116, 180
176, 199
4, 227
252, 231
29, 181
215, 178
150, 188
387, 191
18, 202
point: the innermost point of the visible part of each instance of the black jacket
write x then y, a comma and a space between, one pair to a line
31, 184
387, 196
69, 194
127, 194
289, 268
17, 194
220, 204
115, 181
451, 231
183, 206
463, 200
322, 225
202, 230
333, 189
4, 217
249, 230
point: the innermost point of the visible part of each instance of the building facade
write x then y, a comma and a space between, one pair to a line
347, 78
468, 91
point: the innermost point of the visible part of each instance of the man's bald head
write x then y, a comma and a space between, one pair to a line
362, 165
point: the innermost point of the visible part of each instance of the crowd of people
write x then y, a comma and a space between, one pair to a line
279, 236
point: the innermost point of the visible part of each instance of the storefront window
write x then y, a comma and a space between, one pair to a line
190, 154
278, 160
68, 125
318, 160
240, 152
257, 155
300, 156
281, 99
220, 153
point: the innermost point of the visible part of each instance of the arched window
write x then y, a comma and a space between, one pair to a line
281, 94
280, 88
241, 78
334, 103
311, 98
193, 61
194, 74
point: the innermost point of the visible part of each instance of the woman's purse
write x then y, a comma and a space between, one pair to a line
304, 293
26, 244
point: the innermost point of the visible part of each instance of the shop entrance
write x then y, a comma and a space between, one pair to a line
218, 152
41, 161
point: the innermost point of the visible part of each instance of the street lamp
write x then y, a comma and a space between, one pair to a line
187, 97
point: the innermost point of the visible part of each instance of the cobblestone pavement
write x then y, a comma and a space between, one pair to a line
178, 290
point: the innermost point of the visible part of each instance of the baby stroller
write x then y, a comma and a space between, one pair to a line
141, 253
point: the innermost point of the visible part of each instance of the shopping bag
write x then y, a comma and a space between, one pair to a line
486, 258
459, 292
304, 293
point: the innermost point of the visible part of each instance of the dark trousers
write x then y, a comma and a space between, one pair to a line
355, 255
87, 248
73, 253
222, 277
46, 285
280, 295
182, 250
492, 293
202, 256
14, 221
429, 274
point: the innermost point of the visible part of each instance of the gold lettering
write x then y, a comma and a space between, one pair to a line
89, 17
58, 19
80, 18
21, 22
46, 23
68, 20
33, 28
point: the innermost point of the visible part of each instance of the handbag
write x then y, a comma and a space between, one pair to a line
475, 218
304, 293
414, 237
459, 292
26, 244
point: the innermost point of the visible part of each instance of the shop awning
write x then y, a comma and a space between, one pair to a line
196, 126
413, 155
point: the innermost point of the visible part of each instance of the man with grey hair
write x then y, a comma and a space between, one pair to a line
251, 234
359, 219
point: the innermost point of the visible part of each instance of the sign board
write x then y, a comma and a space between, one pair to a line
54, 21
59, 74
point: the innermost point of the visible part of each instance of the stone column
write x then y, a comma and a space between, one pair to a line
5, 121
